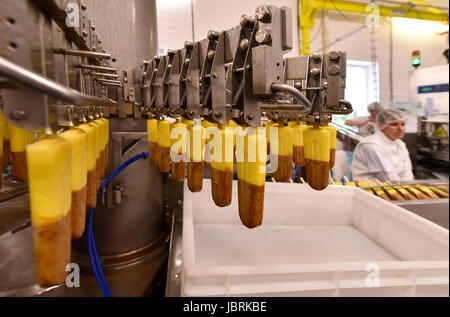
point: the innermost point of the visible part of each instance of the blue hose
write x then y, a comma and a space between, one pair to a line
93, 255
92, 258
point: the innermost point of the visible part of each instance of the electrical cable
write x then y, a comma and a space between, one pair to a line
93, 255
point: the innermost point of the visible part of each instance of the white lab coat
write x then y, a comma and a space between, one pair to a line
377, 156
366, 129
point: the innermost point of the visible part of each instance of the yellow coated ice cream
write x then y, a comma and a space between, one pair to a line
178, 137
98, 138
251, 157
187, 122
224, 139
152, 130
91, 158
106, 121
365, 184
78, 140
268, 126
196, 142
49, 179
298, 133
2, 124
5, 126
164, 133
19, 138
103, 133
285, 142
317, 144
333, 135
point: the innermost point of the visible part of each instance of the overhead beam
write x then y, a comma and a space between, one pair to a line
307, 16
403, 11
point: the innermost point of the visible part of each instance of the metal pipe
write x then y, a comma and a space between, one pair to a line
46, 86
282, 108
101, 80
97, 68
293, 92
81, 53
105, 83
105, 75
108, 80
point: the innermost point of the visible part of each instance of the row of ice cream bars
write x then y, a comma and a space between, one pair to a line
395, 192
63, 171
304, 145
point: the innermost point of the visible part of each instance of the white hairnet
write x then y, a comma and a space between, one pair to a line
388, 116
375, 106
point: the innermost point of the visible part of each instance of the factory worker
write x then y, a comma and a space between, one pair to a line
384, 155
366, 125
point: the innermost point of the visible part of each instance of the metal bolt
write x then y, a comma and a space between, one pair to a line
156, 58
211, 54
315, 72
249, 117
191, 112
262, 36
243, 45
188, 44
83, 6
214, 75
18, 115
298, 85
316, 57
187, 61
93, 27
170, 52
84, 33
99, 41
246, 21
334, 70
263, 13
213, 35
189, 79
334, 56
69, 9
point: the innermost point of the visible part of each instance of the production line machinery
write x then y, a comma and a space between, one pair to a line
56, 78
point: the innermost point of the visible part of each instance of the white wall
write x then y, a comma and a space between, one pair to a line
174, 20
408, 35
174, 23
222, 15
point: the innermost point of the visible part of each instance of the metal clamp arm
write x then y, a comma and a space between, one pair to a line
46, 86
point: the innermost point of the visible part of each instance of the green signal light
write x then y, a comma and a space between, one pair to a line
415, 61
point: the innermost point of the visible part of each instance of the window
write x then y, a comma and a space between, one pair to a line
361, 88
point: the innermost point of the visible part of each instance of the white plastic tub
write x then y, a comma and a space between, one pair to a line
338, 242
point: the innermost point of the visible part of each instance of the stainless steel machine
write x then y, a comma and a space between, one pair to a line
68, 61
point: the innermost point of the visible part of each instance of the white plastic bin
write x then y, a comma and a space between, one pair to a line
341, 241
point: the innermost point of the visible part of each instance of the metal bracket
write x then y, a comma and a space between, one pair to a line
173, 90
193, 81
213, 79
159, 85
245, 108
